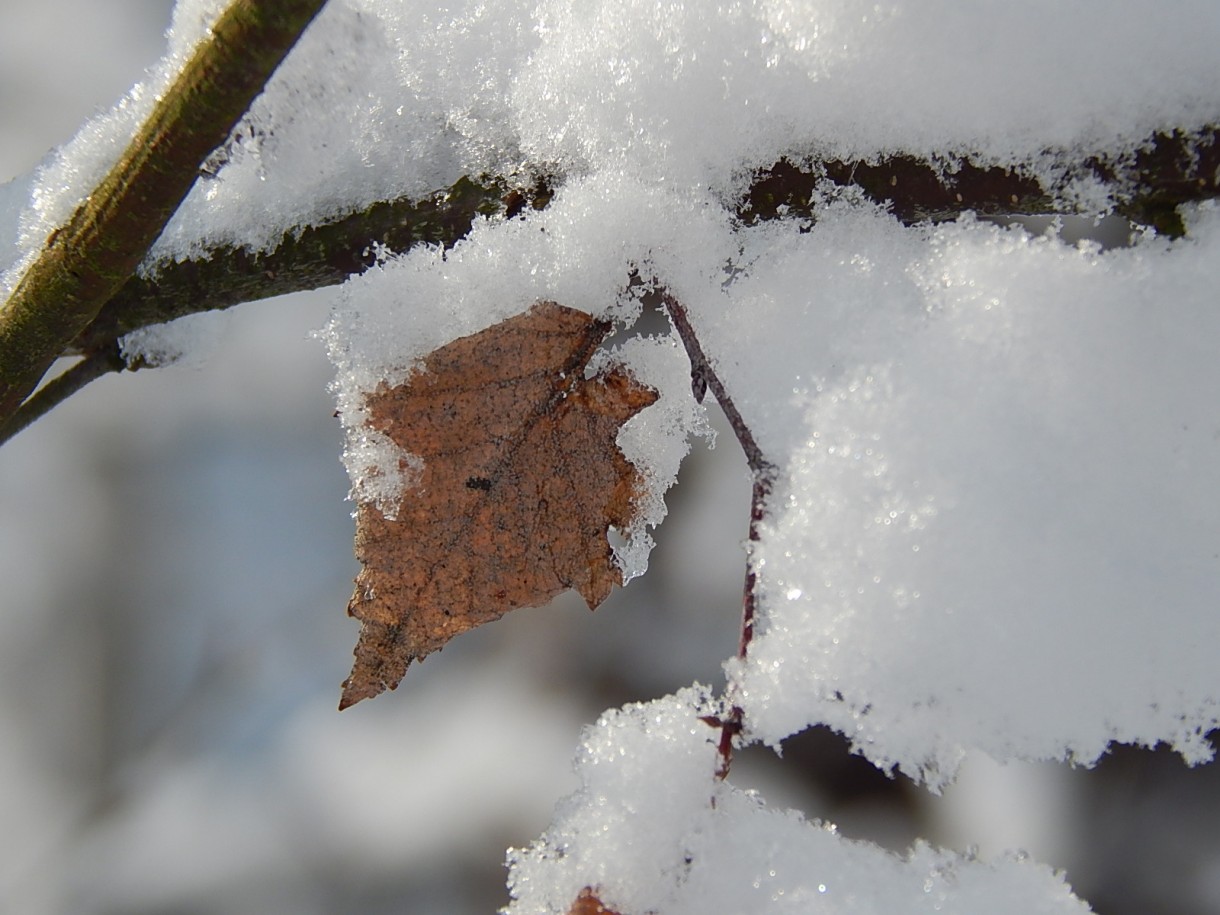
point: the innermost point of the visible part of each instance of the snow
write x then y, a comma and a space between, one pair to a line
66, 177
993, 528
651, 829
185, 341
578, 251
995, 521
656, 439
745, 81
385, 98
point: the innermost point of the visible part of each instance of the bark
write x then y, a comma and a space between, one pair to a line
1172, 169
314, 257
87, 260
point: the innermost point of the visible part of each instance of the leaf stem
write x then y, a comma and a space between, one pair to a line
704, 377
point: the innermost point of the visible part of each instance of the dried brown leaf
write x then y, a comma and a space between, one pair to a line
521, 482
587, 903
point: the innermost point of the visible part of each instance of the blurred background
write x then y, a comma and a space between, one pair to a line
175, 559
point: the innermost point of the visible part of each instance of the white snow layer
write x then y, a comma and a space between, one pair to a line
383, 98
995, 519
652, 830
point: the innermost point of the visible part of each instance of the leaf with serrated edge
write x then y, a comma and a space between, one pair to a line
521, 482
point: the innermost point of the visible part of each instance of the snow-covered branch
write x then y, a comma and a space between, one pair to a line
1169, 169
306, 258
86, 260
1172, 168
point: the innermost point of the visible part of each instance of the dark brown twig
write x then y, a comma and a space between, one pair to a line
733, 724
61, 387
1169, 169
703, 375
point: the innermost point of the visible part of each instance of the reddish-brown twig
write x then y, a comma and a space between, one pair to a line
704, 377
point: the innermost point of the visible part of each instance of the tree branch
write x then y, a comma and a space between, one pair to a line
88, 259
63, 386
312, 258
1170, 169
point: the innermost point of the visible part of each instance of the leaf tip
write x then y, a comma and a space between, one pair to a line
382, 658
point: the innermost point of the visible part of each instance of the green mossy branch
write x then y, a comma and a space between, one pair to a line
86, 261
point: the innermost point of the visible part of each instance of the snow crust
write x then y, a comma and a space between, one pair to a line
994, 523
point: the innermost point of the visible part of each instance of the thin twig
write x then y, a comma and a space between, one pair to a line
61, 387
734, 722
758, 499
703, 374
704, 377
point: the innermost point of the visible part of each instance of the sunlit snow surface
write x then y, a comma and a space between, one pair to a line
685, 843
995, 519
996, 525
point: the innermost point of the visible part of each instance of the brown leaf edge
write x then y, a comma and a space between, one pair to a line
405, 617
587, 903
